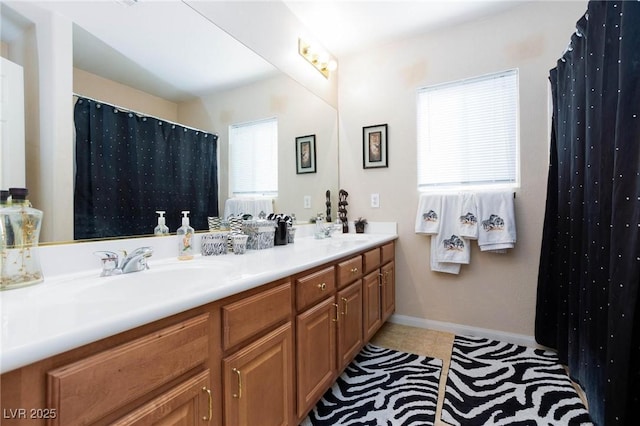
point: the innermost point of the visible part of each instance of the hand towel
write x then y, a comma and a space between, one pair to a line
497, 228
449, 268
468, 220
252, 206
428, 215
451, 248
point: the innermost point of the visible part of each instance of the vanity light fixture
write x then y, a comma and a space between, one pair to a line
320, 59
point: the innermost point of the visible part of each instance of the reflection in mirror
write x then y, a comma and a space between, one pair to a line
157, 58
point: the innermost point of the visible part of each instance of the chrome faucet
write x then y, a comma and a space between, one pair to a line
133, 262
330, 229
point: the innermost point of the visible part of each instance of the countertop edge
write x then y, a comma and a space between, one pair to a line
42, 347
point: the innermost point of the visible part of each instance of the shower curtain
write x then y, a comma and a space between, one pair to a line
588, 306
129, 166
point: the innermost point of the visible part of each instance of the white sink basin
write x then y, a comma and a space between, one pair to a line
161, 276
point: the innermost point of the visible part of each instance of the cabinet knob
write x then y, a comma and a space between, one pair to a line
208, 391
322, 286
354, 270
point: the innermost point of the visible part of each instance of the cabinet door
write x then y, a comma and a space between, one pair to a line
388, 290
258, 381
372, 310
349, 324
189, 403
316, 352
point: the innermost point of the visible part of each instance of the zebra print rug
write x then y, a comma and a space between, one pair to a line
498, 383
381, 387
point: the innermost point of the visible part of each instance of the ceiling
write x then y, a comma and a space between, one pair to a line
343, 26
146, 48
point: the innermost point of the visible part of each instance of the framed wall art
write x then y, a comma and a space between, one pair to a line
374, 147
306, 154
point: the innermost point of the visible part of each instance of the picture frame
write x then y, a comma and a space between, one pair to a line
306, 154
374, 146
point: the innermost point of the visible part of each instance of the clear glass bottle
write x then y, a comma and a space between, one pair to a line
19, 259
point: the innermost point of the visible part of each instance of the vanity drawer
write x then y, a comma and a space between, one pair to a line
314, 287
388, 252
87, 390
251, 315
349, 271
371, 260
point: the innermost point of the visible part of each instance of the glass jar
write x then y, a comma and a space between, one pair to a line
20, 230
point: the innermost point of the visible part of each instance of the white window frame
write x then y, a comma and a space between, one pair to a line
254, 173
440, 164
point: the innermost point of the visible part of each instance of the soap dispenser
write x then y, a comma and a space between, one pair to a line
162, 228
185, 238
319, 233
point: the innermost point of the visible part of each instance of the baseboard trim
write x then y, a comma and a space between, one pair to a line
518, 339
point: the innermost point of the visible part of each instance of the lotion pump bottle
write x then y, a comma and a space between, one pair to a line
185, 238
162, 228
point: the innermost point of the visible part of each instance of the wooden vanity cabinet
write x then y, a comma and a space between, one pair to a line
378, 288
257, 368
159, 373
261, 357
328, 333
388, 290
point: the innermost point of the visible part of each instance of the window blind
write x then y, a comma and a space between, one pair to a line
253, 158
467, 132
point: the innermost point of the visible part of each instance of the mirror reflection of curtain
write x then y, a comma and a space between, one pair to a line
588, 305
129, 166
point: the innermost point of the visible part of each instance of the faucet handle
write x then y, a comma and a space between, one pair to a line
109, 263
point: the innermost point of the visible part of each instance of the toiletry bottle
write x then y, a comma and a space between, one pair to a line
162, 228
185, 238
21, 224
319, 234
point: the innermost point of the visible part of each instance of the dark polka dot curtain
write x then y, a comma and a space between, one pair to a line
588, 305
129, 166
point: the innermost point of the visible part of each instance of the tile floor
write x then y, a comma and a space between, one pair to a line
431, 343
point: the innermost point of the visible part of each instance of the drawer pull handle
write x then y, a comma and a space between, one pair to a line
239, 394
354, 270
208, 391
322, 286
337, 312
346, 305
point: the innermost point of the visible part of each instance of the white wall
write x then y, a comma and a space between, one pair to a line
45, 52
379, 86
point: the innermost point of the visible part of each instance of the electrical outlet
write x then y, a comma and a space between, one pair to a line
375, 201
307, 201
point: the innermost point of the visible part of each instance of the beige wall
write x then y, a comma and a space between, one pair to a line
496, 292
299, 113
102, 89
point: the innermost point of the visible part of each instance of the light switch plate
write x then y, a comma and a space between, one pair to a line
375, 201
307, 201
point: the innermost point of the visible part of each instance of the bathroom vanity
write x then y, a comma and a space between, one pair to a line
222, 340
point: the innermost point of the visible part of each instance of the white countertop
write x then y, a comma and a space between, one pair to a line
69, 310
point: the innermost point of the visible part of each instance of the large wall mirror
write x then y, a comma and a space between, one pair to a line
166, 60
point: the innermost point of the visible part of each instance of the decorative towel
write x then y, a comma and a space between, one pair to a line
497, 227
449, 268
428, 215
428, 222
451, 248
252, 206
468, 216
